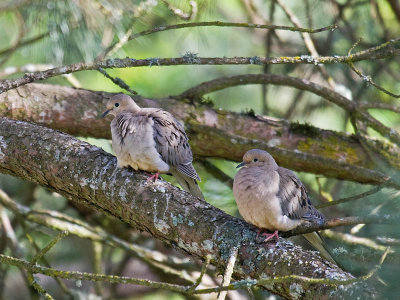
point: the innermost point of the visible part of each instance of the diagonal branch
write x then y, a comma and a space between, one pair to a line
213, 133
87, 175
302, 84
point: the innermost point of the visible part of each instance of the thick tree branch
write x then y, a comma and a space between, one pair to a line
87, 175
77, 111
213, 133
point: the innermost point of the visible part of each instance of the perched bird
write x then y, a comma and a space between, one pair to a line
274, 198
152, 140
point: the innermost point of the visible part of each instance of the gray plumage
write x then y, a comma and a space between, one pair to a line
274, 198
152, 140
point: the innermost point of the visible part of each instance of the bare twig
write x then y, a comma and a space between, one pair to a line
200, 278
37, 269
345, 221
126, 38
367, 78
217, 173
118, 81
355, 197
24, 43
354, 240
228, 272
39, 255
50, 245
38, 287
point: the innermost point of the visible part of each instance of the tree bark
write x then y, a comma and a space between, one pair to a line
215, 133
87, 175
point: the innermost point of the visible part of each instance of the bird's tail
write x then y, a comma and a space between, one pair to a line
316, 241
188, 184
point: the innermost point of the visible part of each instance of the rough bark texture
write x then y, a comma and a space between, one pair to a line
214, 133
87, 175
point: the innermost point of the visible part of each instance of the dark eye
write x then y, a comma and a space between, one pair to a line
116, 104
256, 159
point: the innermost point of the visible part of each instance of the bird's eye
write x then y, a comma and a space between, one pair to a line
255, 159
116, 104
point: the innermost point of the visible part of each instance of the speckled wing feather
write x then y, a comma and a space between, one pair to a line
172, 142
295, 202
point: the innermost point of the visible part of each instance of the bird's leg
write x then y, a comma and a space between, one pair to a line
271, 235
153, 177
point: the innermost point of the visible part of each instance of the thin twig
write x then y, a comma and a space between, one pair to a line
345, 221
379, 105
118, 81
217, 173
212, 24
367, 78
24, 43
37, 269
202, 272
50, 245
228, 272
292, 278
353, 240
37, 249
38, 287
355, 197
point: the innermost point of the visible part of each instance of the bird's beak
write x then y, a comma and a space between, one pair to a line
105, 113
240, 165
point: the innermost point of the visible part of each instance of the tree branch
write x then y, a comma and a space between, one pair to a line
213, 133
301, 84
214, 24
385, 50
87, 175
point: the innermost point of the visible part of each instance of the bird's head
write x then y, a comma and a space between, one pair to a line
257, 157
119, 103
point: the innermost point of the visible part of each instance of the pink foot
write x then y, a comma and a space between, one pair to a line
270, 236
153, 177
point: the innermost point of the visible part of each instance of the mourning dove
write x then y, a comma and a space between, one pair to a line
274, 198
151, 140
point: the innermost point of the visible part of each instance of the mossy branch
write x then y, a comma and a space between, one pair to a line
214, 133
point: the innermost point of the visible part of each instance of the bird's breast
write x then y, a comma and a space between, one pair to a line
137, 148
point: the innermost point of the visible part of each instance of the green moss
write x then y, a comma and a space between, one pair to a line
250, 112
304, 129
207, 101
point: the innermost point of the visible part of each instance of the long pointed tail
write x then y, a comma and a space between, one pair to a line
188, 184
316, 241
